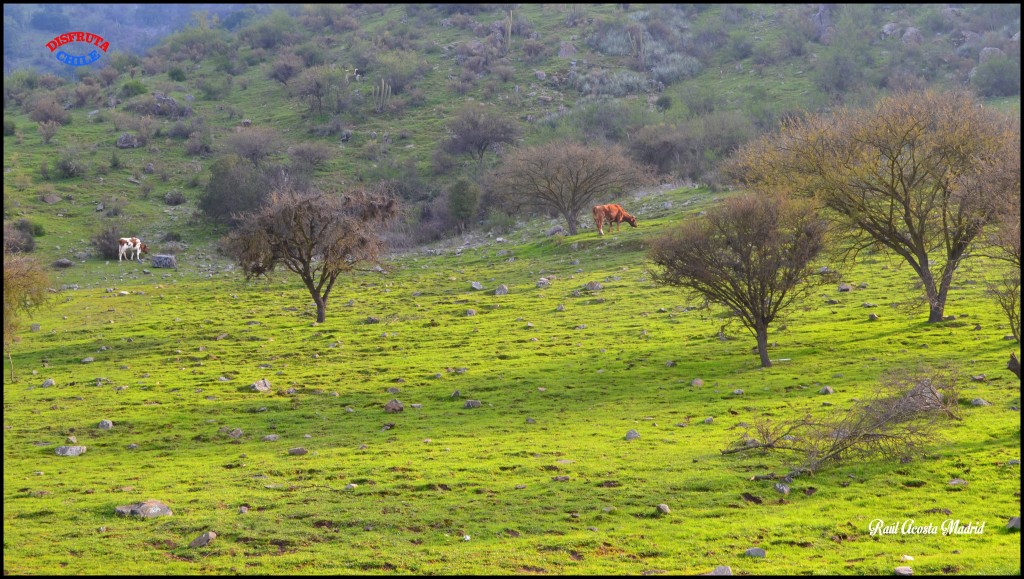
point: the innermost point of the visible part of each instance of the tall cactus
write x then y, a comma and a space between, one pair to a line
381, 96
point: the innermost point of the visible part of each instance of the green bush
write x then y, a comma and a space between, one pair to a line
9, 127
176, 73
997, 77
133, 88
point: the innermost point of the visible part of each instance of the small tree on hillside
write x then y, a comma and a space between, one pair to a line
25, 288
893, 176
315, 235
478, 128
751, 255
234, 187
463, 201
565, 177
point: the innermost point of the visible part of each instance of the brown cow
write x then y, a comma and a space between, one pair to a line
611, 213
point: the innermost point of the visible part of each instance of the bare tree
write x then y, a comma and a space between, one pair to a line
892, 176
566, 177
751, 255
255, 143
315, 235
477, 128
25, 289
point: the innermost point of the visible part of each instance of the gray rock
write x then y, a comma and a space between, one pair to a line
826, 390
502, 290
165, 261
146, 509
721, 570
470, 312
755, 552
781, 488
873, 317
476, 285
47, 383
980, 402
393, 406
903, 571
1014, 524
236, 433
270, 438
472, 404
663, 509
593, 286
261, 385
105, 425
697, 382
957, 482
69, 450
297, 451
632, 435
203, 540
128, 141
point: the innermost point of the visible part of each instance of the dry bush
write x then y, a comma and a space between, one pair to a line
898, 422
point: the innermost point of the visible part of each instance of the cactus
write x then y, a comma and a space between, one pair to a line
508, 33
381, 96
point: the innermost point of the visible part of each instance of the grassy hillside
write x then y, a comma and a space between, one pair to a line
620, 358
562, 373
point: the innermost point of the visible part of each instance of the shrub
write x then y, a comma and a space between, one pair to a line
46, 109
174, 197
235, 186
9, 127
997, 77
16, 240
133, 88
105, 242
171, 236
30, 227
176, 73
70, 164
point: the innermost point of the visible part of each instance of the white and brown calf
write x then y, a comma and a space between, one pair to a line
128, 245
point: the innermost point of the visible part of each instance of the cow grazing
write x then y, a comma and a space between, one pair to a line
611, 213
128, 245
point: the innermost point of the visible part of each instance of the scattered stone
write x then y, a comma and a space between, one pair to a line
520, 487
69, 450
88, 360
105, 425
721, 570
632, 435
560, 478
826, 390
873, 317
472, 404
531, 421
47, 383
903, 571
978, 378
476, 285
261, 385
957, 482
663, 509
593, 286
243, 509
1014, 524
351, 486
203, 540
709, 420
297, 451
470, 312
456, 394
393, 406
781, 488
270, 438
164, 261
980, 402
906, 558
501, 290
755, 552
845, 287
738, 392
697, 382
146, 509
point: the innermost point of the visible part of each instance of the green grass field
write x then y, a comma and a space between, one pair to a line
620, 358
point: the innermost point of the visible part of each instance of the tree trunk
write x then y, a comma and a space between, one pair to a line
936, 298
321, 309
762, 347
571, 221
1013, 365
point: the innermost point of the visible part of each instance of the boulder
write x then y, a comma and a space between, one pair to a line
128, 141
146, 510
167, 261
